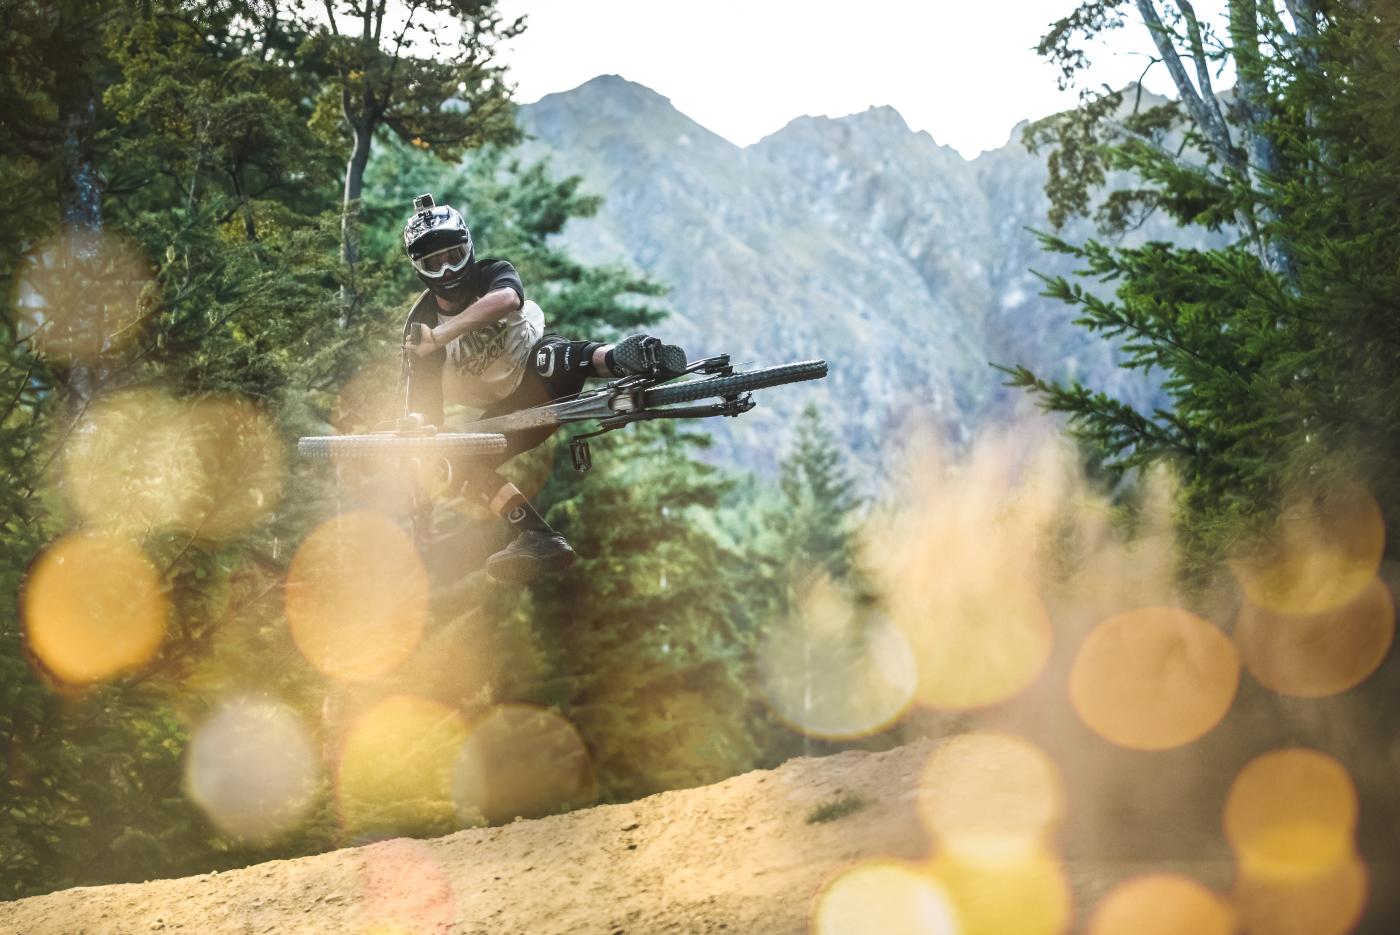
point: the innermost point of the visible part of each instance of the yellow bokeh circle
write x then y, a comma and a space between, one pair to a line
1026, 893
1316, 655
988, 795
93, 607
886, 896
143, 460
1329, 901
357, 596
521, 761
128, 465
395, 770
1154, 678
1162, 904
975, 641
1290, 815
833, 672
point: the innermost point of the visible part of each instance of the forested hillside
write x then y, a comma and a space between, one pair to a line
202, 262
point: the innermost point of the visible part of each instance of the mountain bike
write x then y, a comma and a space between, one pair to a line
649, 396
427, 454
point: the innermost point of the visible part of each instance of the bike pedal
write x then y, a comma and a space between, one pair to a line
581, 455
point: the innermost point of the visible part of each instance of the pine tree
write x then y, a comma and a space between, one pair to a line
800, 542
202, 270
446, 97
652, 662
819, 506
1277, 349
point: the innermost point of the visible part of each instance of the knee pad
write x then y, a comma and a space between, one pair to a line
554, 360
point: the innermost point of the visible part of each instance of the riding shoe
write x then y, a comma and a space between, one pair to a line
633, 353
534, 552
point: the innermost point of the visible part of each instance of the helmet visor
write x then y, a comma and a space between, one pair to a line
441, 262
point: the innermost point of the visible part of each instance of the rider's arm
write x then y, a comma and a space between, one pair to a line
501, 294
425, 387
493, 306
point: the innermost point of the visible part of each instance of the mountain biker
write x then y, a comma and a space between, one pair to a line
473, 330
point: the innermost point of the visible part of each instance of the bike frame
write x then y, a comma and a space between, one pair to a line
615, 405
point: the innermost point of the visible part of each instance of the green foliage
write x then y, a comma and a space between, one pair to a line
838, 808
1278, 351
431, 81
212, 177
653, 661
815, 521
207, 126
794, 537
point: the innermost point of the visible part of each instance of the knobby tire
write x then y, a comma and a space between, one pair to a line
448, 444
733, 384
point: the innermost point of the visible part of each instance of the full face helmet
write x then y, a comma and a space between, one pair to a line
440, 246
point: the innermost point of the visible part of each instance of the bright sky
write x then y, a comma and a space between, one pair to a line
966, 72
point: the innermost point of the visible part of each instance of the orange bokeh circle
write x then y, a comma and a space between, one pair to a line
1162, 904
521, 760
1316, 655
1327, 902
989, 794
1290, 815
1154, 678
1324, 551
93, 607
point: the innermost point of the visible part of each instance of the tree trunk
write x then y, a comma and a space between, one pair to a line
1253, 90
354, 185
79, 192
250, 229
363, 129
80, 208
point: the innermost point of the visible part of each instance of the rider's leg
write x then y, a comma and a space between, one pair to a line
630, 355
535, 548
562, 365
557, 369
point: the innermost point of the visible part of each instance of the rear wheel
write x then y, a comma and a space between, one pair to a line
734, 383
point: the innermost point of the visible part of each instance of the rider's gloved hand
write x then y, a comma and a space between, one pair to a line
425, 344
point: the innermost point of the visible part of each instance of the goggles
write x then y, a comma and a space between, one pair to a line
441, 262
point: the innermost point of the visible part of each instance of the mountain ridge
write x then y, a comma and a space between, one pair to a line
853, 238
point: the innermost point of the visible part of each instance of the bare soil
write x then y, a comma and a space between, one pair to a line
748, 855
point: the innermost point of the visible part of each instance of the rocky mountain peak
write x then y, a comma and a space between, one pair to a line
611, 103
880, 118
852, 238
615, 89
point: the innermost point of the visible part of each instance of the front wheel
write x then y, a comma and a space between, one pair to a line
385, 445
734, 383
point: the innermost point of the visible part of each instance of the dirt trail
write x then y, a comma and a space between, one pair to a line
741, 856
